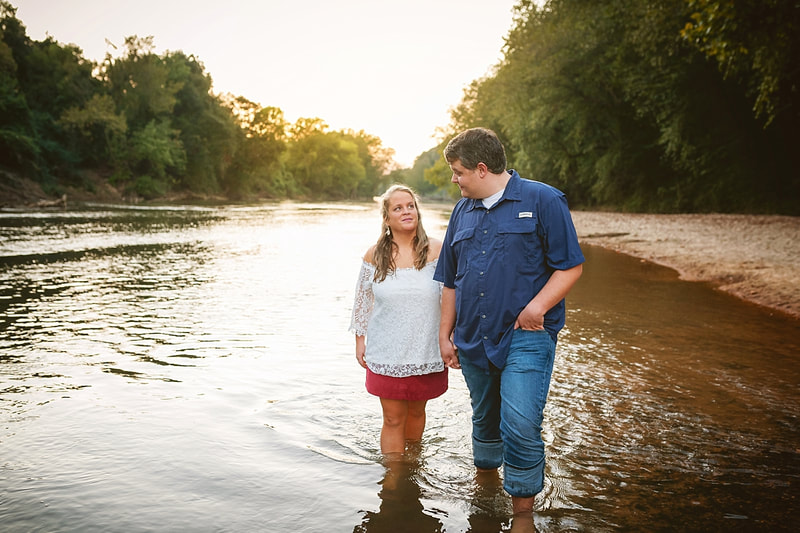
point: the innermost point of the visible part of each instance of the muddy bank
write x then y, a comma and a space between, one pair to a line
754, 257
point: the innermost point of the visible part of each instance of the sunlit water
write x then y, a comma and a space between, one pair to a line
190, 369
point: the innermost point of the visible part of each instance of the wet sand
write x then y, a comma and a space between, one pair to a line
754, 257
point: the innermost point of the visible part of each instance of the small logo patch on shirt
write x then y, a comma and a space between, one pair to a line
525, 214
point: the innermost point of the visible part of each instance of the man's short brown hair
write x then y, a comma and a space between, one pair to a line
477, 145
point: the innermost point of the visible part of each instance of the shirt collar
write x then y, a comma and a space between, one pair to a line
512, 192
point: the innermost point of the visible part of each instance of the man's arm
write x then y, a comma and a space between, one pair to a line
446, 326
555, 290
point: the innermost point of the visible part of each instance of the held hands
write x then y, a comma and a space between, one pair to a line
449, 353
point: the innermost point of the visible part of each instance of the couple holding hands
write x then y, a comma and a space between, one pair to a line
488, 300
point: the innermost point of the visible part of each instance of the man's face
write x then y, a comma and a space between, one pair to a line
469, 181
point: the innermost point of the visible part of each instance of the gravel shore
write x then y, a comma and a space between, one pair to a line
754, 257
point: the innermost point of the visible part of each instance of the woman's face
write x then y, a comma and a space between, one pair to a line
402, 214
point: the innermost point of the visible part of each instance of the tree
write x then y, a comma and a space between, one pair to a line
376, 160
155, 153
305, 127
609, 102
18, 146
414, 177
208, 131
258, 165
324, 165
45, 78
140, 83
100, 130
754, 41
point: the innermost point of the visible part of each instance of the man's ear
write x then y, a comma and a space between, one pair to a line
482, 169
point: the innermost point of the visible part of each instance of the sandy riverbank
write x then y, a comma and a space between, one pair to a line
754, 257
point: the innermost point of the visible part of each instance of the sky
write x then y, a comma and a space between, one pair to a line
392, 68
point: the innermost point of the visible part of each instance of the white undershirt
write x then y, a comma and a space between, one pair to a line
491, 200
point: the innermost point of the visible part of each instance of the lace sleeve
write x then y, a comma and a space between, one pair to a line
362, 306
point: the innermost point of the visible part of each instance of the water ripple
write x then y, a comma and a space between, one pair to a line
196, 363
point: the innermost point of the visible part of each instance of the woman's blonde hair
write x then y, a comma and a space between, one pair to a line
386, 247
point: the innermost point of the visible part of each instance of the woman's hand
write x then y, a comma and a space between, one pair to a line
360, 357
361, 350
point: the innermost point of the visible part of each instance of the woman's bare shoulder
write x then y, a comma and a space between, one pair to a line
369, 255
434, 248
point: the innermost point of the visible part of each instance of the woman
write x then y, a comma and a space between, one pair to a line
396, 321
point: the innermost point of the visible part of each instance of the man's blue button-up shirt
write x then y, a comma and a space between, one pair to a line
498, 259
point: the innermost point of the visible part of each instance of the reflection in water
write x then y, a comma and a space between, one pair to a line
489, 502
400, 509
191, 369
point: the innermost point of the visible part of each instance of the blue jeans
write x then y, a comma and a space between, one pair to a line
507, 411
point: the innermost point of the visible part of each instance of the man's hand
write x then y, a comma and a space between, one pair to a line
530, 318
556, 288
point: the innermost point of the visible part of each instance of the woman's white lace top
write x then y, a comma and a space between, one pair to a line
400, 318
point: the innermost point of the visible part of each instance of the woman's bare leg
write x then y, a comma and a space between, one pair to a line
395, 414
415, 420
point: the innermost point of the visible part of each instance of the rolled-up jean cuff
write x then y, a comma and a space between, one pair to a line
487, 455
523, 482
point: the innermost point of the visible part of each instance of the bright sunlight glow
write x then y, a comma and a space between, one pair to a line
391, 68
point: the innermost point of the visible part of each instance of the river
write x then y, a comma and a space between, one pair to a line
190, 368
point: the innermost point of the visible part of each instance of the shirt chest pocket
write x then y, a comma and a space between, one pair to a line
463, 243
519, 241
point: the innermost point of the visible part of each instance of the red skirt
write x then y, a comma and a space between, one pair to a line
412, 388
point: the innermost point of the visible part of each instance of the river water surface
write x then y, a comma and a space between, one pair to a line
190, 369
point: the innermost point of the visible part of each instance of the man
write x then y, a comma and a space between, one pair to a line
510, 256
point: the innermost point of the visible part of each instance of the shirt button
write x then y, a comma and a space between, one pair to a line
481, 294
485, 231
485, 337
483, 252
481, 273
483, 316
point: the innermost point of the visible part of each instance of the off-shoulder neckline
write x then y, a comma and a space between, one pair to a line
372, 265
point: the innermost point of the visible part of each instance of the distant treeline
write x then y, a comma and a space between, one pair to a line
672, 105
151, 125
669, 106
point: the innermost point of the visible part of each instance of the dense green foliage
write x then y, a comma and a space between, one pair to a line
152, 125
671, 106
676, 105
